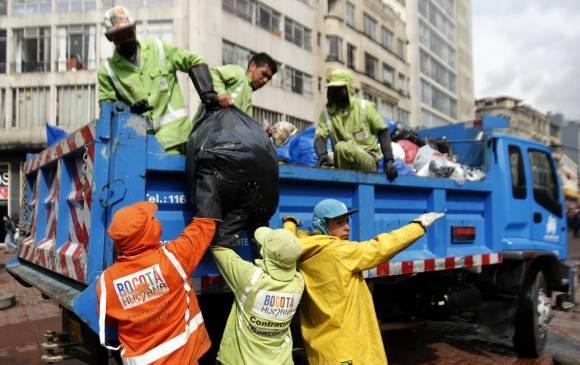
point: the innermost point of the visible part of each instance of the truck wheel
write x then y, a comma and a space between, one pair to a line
534, 313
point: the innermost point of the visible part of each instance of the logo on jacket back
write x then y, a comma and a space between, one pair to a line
275, 305
140, 287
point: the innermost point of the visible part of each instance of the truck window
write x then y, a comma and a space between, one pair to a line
544, 182
518, 175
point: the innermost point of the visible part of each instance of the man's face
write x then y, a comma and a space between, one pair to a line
338, 95
339, 227
123, 36
259, 76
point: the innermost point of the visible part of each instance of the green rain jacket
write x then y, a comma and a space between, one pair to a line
154, 80
258, 327
234, 81
358, 122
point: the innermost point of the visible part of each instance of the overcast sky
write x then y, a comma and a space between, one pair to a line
529, 49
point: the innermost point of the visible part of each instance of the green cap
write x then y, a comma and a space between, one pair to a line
280, 250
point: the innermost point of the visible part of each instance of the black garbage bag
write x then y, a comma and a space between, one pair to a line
232, 173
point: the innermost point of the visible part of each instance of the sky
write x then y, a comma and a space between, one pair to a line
530, 50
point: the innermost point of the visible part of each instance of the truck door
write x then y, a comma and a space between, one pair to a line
548, 227
517, 222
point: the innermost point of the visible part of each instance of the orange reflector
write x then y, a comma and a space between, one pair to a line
463, 234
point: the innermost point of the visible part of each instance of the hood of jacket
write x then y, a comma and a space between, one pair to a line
342, 77
135, 230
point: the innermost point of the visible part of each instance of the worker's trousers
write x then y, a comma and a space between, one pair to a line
350, 156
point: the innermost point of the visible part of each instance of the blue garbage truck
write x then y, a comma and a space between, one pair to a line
495, 258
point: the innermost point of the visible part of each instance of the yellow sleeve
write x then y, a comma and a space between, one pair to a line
226, 77
236, 271
359, 256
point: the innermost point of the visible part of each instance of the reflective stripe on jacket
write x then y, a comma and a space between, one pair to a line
258, 327
154, 80
149, 296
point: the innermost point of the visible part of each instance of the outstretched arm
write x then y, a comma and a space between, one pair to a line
191, 245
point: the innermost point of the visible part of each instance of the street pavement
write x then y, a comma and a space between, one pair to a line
440, 343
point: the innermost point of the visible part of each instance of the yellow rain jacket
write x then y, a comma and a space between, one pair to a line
338, 317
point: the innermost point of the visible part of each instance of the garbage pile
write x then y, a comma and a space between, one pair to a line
414, 156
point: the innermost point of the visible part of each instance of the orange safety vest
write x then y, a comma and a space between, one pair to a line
150, 297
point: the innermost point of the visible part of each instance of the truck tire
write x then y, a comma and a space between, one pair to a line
533, 317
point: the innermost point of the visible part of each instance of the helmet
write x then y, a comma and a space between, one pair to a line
117, 19
328, 209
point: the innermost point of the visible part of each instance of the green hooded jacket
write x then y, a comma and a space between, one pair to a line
154, 80
267, 295
347, 124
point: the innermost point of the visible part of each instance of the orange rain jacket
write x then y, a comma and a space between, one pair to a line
148, 289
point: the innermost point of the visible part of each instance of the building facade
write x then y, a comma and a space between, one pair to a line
368, 37
524, 120
441, 60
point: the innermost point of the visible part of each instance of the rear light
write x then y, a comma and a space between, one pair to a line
463, 234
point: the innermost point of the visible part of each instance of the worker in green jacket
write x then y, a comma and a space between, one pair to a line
234, 84
267, 295
142, 74
353, 125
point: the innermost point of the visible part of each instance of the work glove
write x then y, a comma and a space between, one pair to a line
390, 170
140, 107
427, 219
322, 152
385, 142
203, 83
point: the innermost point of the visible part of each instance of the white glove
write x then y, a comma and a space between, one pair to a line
427, 219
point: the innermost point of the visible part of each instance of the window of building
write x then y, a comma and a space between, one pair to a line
334, 48
268, 18
519, 189
297, 81
76, 105
297, 33
350, 14
546, 192
234, 54
333, 6
437, 99
403, 116
430, 120
75, 5
2, 51
388, 75
75, 48
135, 4
3, 7
30, 106
436, 44
370, 26
437, 71
22, 7
386, 109
370, 97
158, 29
241, 8
401, 49
351, 56
265, 116
299, 123
403, 87
437, 18
3, 108
386, 38
31, 50
370, 66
